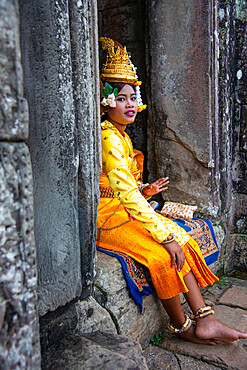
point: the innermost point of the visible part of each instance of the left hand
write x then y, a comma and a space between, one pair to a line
156, 187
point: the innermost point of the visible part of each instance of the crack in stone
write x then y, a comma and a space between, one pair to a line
179, 141
178, 361
113, 317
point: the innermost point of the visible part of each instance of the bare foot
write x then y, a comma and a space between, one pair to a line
190, 336
210, 328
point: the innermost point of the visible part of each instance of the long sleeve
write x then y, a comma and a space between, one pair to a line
117, 158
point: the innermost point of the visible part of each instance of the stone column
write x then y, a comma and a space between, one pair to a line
84, 53
53, 142
19, 334
182, 103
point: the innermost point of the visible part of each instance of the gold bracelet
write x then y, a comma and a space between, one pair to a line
169, 239
187, 324
202, 312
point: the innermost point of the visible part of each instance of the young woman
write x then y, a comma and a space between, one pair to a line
127, 223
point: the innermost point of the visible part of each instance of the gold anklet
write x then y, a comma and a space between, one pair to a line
202, 312
187, 324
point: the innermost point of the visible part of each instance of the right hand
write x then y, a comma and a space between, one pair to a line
176, 253
156, 187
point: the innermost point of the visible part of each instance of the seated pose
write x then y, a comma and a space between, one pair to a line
128, 224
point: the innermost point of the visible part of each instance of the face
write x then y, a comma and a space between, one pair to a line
126, 107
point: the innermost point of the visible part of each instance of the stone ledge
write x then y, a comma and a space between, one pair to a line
112, 293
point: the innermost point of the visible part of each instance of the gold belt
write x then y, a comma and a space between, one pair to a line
106, 192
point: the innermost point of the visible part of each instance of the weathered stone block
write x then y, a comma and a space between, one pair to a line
92, 317
116, 299
236, 257
19, 336
13, 107
179, 72
181, 101
188, 179
229, 297
95, 351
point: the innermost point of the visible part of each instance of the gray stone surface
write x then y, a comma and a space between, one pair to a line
84, 58
95, 351
46, 57
91, 317
19, 335
13, 106
236, 257
113, 295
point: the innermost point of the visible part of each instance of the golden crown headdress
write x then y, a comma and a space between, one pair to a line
119, 68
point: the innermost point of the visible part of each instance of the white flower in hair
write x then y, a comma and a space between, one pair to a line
111, 101
109, 94
104, 102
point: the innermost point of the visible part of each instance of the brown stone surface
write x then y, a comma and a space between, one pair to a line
233, 355
235, 296
181, 102
158, 358
234, 317
188, 178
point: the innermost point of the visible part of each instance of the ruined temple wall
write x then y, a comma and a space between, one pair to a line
232, 117
19, 332
182, 105
60, 62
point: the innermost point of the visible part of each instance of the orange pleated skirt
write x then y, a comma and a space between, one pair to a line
129, 237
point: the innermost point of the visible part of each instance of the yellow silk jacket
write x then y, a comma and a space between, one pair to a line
122, 176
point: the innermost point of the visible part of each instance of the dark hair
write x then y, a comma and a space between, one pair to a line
120, 85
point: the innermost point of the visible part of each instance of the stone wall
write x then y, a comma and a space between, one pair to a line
180, 103
60, 60
232, 118
19, 333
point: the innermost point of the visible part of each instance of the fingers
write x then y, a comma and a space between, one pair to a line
162, 181
163, 189
173, 257
180, 260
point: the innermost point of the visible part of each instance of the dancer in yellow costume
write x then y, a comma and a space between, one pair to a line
127, 223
